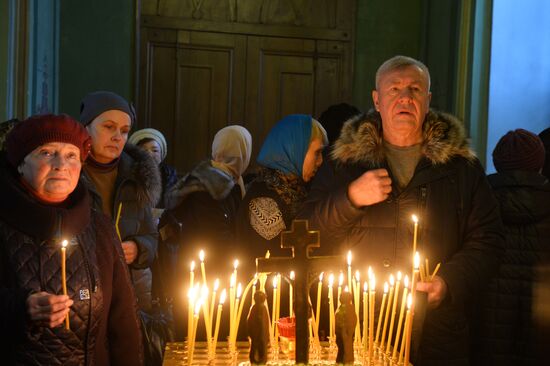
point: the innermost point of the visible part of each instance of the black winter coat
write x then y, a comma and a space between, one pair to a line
104, 324
204, 204
460, 224
506, 324
138, 188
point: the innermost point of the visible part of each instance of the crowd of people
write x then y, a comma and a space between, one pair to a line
131, 222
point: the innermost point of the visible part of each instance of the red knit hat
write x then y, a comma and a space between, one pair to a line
519, 150
38, 130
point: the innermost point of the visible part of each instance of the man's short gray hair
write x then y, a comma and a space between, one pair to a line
398, 62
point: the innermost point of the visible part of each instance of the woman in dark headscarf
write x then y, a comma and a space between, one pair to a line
289, 158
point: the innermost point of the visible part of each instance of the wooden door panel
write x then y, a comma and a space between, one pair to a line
156, 106
280, 81
207, 98
286, 76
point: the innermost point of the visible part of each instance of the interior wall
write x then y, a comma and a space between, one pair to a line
424, 29
96, 50
519, 87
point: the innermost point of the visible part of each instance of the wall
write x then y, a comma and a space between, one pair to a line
519, 88
5, 111
96, 50
383, 29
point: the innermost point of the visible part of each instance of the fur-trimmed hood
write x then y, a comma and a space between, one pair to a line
203, 178
140, 167
360, 140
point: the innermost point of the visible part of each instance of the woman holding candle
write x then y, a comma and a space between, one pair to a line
124, 182
42, 204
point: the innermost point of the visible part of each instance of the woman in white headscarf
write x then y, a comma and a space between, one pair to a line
202, 205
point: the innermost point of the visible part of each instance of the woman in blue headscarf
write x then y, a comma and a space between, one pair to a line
288, 159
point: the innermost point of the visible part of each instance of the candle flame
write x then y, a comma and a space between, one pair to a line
198, 306
386, 287
357, 276
274, 282
406, 281
331, 280
369, 272
267, 254
409, 301
204, 291
192, 266
340, 279
292, 275
365, 286
321, 276
416, 261
392, 280
399, 276
235, 264
64, 243
222, 297
346, 289
216, 284
191, 293
232, 280
239, 290
201, 255
349, 257
373, 283
415, 219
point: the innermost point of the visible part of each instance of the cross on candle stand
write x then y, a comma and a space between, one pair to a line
306, 268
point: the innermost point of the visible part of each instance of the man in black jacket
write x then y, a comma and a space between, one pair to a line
404, 159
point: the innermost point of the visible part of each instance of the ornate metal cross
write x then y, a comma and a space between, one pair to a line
302, 241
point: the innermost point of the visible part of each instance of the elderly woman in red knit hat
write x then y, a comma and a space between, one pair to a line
43, 204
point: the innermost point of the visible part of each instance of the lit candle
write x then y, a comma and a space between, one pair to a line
235, 329
195, 322
408, 321
365, 315
290, 294
203, 269
340, 283
356, 292
415, 274
64, 276
394, 309
213, 301
415, 235
278, 315
190, 305
274, 309
401, 314
191, 274
391, 300
410, 315
349, 270
232, 285
206, 313
218, 317
371, 315
381, 314
318, 310
331, 305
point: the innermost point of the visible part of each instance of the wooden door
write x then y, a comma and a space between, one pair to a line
196, 88
286, 76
